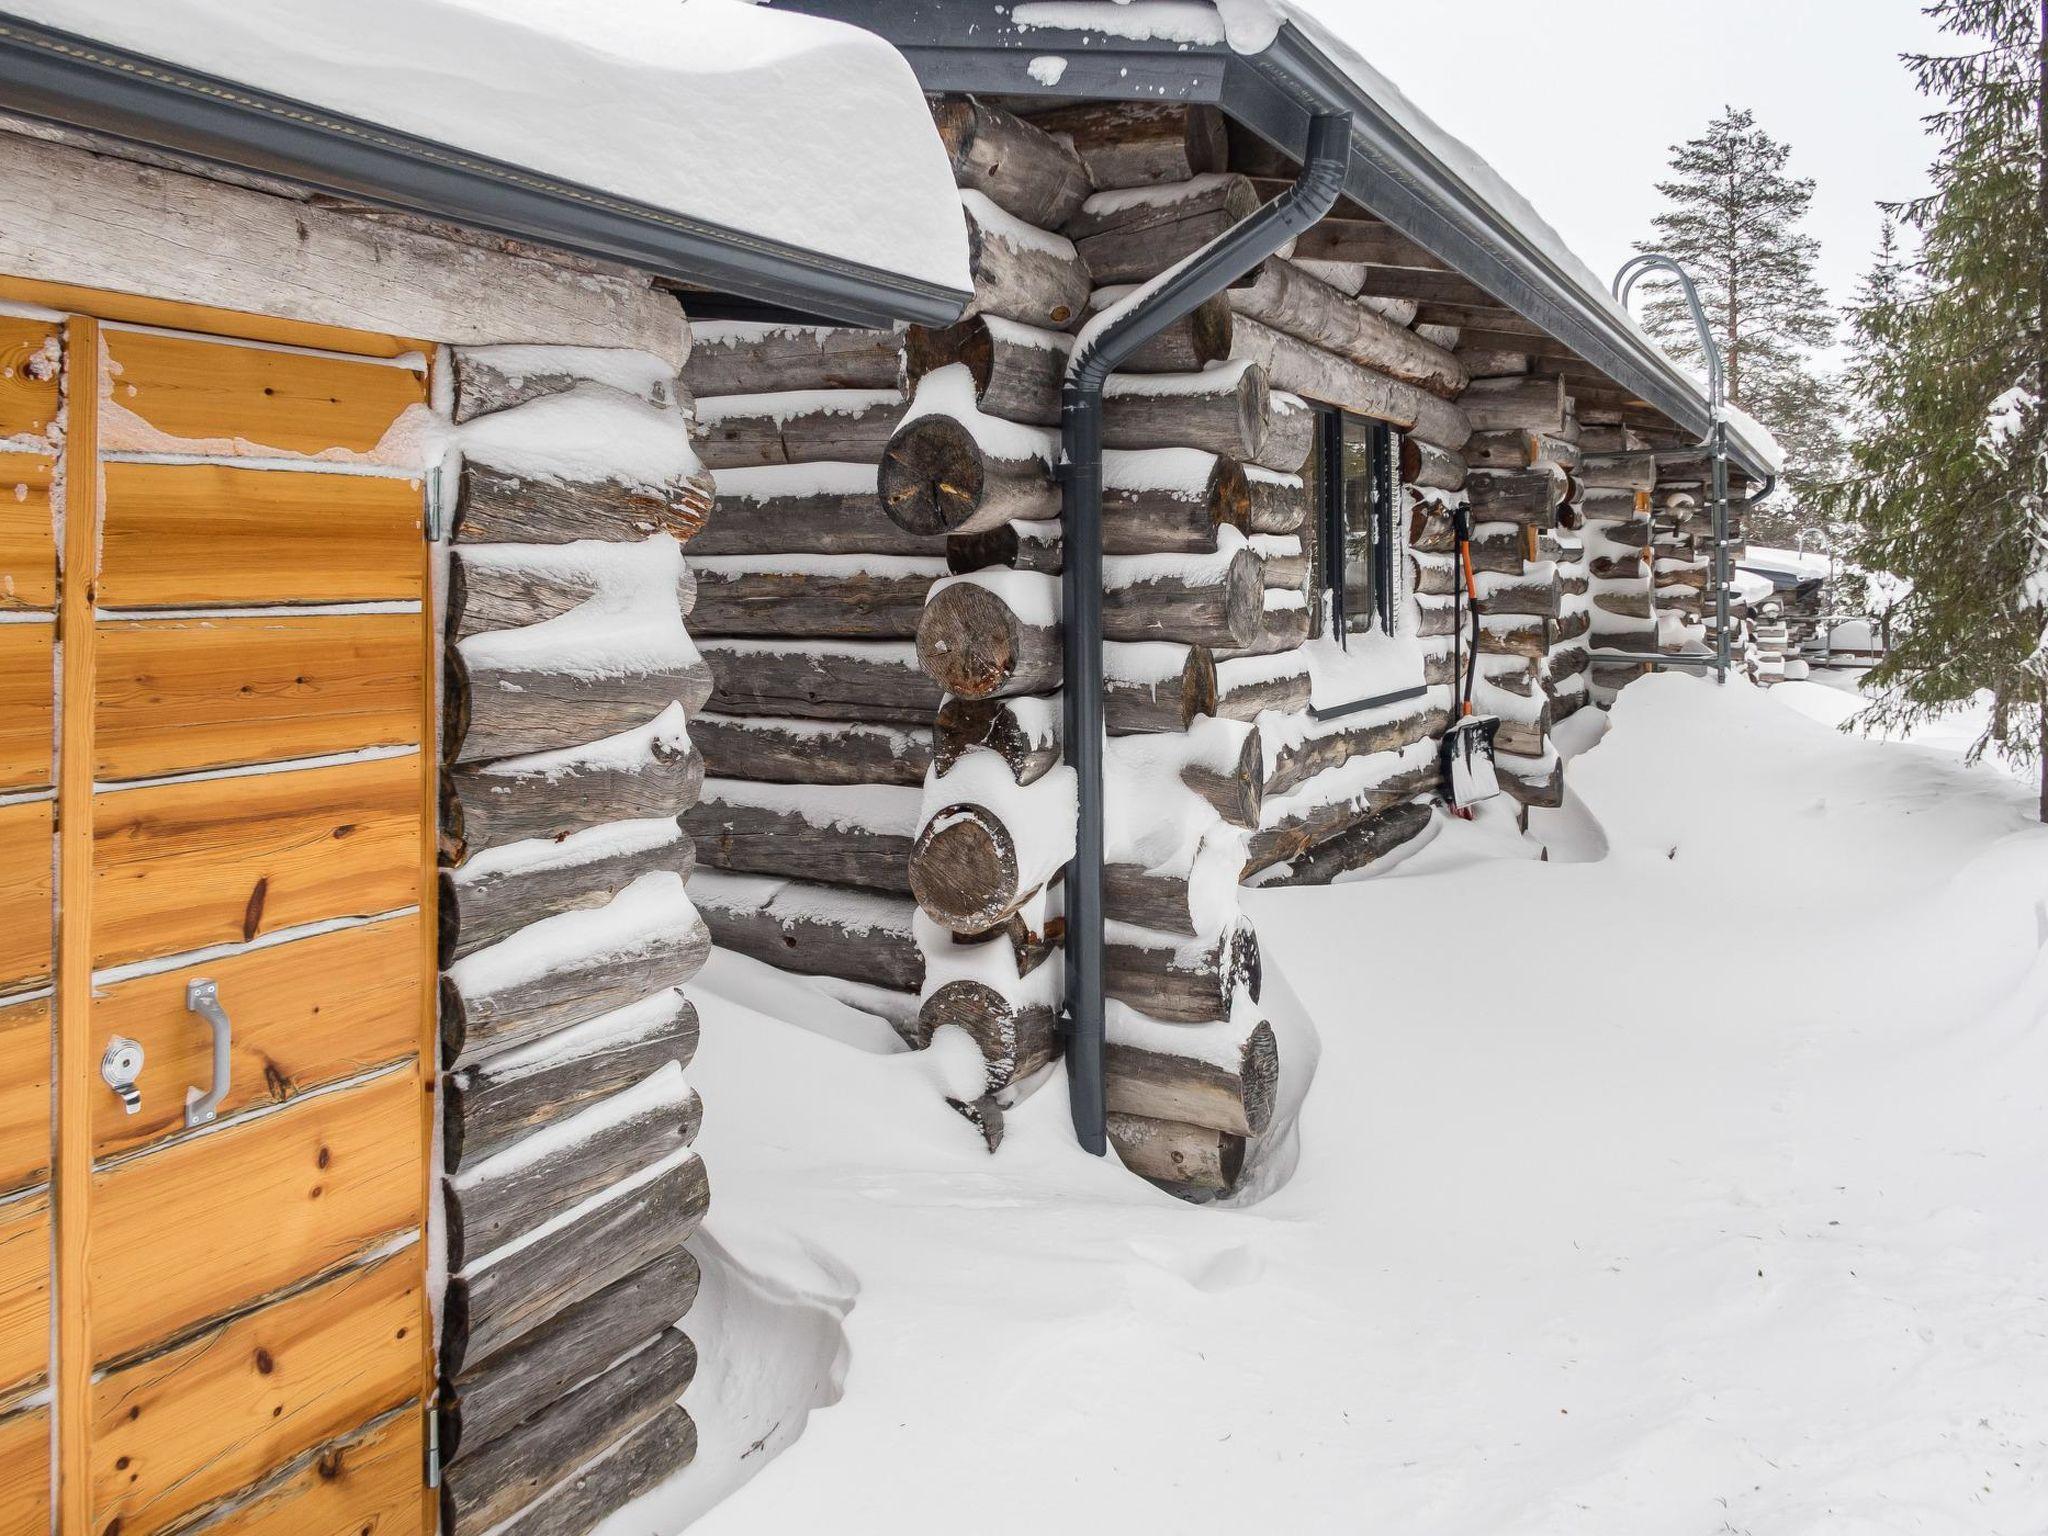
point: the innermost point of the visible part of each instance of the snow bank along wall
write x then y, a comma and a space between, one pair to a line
878, 598
569, 1183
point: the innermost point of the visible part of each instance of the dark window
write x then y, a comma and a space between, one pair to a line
1350, 540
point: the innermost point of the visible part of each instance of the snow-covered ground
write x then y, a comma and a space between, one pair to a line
1693, 1179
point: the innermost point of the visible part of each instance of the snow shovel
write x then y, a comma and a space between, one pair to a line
1465, 755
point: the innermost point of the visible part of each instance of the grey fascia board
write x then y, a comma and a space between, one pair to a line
78, 83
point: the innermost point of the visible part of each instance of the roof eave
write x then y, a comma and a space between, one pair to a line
76, 82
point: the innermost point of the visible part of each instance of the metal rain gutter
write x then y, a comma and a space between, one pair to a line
74, 81
1097, 354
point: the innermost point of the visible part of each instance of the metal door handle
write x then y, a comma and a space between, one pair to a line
203, 998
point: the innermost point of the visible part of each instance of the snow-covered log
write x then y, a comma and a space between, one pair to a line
790, 751
1018, 165
1224, 1075
638, 1463
815, 930
1226, 410
821, 680
1363, 843
497, 506
857, 835
493, 896
1022, 272
732, 357
804, 509
1290, 300
796, 427
1305, 369
1129, 236
1164, 977
1017, 369
1183, 1157
864, 597
501, 702
1140, 143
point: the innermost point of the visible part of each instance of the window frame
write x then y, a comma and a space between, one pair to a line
1328, 609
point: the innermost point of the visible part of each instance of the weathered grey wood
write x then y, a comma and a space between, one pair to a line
1243, 698
490, 711
486, 594
1494, 547
1185, 1158
478, 910
1305, 369
1226, 411
476, 1020
485, 806
107, 222
996, 724
1136, 708
492, 379
746, 431
1235, 786
1618, 471
1279, 504
815, 930
1363, 243
1188, 345
1288, 299
863, 600
493, 507
736, 358
492, 1398
1237, 1099
1627, 605
508, 1474
1528, 497
505, 1196
1297, 762
1137, 143
820, 680
1316, 823
1430, 467
1365, 843
1534, 404
756, 518
1027, 275
649, 1456
787, 751
1132, 894
1016, 1039
1017, 369
1165, 979
491, 1104
1132, 236
966, 872
766, 839
487, 1310
1021, 167
1494, 362
1292, 438
936, 478
1507, 635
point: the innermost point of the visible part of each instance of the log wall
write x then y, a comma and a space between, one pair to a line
569, 1184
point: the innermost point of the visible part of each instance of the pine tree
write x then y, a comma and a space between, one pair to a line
1948, 477
1733, 223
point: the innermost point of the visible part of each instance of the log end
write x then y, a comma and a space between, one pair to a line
964, 871
932, 477
970, 641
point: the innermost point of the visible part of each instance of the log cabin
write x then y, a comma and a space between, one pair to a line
464, 565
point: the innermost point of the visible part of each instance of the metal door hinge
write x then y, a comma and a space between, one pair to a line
433, 1468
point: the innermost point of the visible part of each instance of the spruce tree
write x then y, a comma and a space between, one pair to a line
1948, 472
1733, 222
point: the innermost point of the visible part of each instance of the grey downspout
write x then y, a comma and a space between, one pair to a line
1166, 299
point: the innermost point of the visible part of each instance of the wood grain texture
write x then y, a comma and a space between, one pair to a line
24, 1293
30, 353
202, 1226
25, 1472
213, 861
244, 401
177, 695
28, 540
179, 1430
363, 1484
652, 1453
27, 705
193, 535
317, 1010
24, 1095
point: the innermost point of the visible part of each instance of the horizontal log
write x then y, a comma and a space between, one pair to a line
1163, 977
490, 899
1296, 762
1493, 362
1534, 404
1430, 467
1226, 411
1233, 780
513, 699
805, 509
501, 1198
790, 830
1183, 1157
936, 478
800, 427
1188, 345
1359, 846
969, 871
1138, 143
1165, 692
1508, 635
1016, 1038
638, 1463
486, 593
744, 358
1018, 165
854, 597
650, 771
1305, 369
490, 379
505, 1476
1530, 498
1022, 272
1290, 300
1618, 471
1133, 236
494, 507
1017, 369
1279, 502
1150, 1080
820, 680
570, 968
1315, 823
814, 930
788, 751
1023, 732
491, 1104
1245, 689
1363, 243
487, 1309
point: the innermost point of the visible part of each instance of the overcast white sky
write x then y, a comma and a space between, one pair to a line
1577, 102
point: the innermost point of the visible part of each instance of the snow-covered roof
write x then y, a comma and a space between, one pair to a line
1251, 27
790, 128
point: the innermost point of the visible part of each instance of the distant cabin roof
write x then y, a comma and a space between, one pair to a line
1432, 186
786, 132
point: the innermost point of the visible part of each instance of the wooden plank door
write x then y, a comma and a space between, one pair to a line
242, 798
